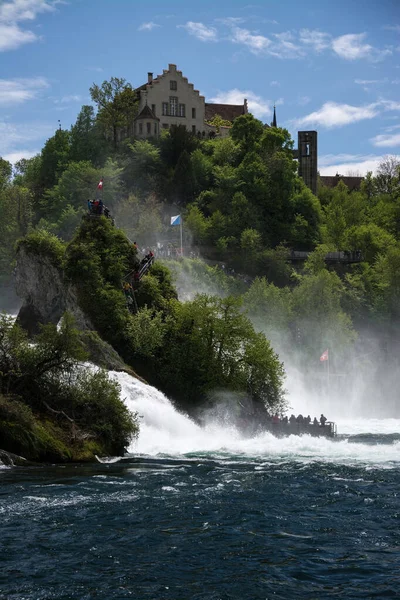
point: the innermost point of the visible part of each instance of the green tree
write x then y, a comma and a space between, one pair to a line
86, 142
212, 345
217, 121
175, 141
247, 130
142, 166
197, 224
54, 159
117, 106
370, 240
5, 173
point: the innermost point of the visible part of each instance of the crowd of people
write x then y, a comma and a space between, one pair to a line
299, 420
135, 276
96, 207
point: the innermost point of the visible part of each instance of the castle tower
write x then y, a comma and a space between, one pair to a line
273, 124
308, 158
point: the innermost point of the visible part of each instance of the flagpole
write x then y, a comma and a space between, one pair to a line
329, 381
181, 236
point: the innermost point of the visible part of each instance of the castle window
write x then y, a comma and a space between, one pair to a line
165, 125
182, 110
155, 128
194, 129
173, 85
140, 127
148, 128
307, 149
165, 108
153, 108
173, 106
193, 113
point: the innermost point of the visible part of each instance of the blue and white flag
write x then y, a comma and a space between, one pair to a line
176, 220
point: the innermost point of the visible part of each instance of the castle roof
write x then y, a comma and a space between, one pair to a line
331, 181
146, 113
228, 112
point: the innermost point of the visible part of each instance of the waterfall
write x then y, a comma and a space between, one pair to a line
165, 431
162, 428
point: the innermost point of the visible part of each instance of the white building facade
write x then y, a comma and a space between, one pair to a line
170, 99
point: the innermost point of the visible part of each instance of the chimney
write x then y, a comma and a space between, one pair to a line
149, 77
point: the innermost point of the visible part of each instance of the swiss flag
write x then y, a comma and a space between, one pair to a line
100, 184
324, 356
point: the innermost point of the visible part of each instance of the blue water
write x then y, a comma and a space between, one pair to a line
298, 523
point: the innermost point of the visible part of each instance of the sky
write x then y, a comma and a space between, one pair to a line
329, 66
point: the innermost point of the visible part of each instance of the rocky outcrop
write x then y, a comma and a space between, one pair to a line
45, 293
9, 459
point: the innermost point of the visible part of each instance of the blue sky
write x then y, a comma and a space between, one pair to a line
330, 66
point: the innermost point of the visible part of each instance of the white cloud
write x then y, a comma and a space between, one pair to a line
318, 40
16, 91
286, 46
369, 81
275, 83
352, 47
12, 36
256, 43
201, 31
303, 100
68, 99
386, 140
332, 114
24, 10
15, 137
14, 157
390, 104
349, 163
148, 26
393, 27
230, 20
257, 105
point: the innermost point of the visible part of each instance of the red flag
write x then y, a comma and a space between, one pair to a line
324, 356
100, 184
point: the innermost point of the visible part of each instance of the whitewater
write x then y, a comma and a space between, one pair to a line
166, 432
202, 513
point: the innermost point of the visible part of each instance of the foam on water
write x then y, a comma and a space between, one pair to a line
164, 430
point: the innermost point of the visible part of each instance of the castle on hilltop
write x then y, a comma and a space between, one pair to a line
170, 99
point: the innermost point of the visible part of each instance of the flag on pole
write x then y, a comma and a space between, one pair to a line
100, 184
324, 356
176, 220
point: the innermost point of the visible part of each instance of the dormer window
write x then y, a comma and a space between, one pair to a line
173, 85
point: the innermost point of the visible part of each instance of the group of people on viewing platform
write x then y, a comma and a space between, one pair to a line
299, 420
135, 276
96, 207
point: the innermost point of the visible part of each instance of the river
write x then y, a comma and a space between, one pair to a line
202, 513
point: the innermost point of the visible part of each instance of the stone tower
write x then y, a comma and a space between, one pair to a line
308, 158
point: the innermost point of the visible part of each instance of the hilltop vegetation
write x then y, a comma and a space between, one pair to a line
243, 205
51, 408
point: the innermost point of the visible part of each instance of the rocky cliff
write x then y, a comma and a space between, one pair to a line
45, 292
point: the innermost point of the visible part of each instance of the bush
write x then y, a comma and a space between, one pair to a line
44, 243
74, 404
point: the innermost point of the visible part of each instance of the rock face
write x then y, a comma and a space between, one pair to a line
45, 293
